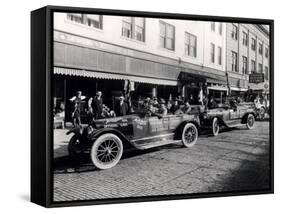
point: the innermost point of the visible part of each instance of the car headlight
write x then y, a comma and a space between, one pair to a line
90, 129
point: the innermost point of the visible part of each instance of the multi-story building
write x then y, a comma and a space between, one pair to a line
247, 52
153, 57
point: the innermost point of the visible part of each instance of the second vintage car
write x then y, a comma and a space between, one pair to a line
105, 139
230, 116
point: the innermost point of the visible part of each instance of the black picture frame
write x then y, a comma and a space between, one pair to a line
42, 102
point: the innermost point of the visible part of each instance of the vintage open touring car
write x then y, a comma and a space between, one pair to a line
105, 139
229, 116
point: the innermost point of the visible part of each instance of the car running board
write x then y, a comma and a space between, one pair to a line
155, 144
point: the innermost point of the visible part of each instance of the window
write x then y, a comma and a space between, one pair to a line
266, 72
212, 52
86, 19
254, 44
234, 33
253, 66
167, 36
234, 62
245, 38
260, 48
213, 26
94, 21
266, 52
190, 45
220, 28
219, 55
244, 65
133, 28
260, 68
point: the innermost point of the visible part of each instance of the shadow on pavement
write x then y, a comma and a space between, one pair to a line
251, 175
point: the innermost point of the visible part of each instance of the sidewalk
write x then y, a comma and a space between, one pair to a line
60, 142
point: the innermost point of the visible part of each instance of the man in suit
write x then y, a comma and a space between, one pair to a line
122, 107
97, 105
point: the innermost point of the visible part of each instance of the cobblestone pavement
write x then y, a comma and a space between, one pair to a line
236, 159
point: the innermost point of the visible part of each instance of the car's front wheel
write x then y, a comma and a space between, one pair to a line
250, 121
189, 135
106, 151
215, 126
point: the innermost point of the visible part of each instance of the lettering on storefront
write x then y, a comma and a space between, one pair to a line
256, 78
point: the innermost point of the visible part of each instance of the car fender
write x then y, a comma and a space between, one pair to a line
97, 133
244, 118
178, 131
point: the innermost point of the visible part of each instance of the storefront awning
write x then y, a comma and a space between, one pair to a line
106, 75
238, 89
216, 81
218, 88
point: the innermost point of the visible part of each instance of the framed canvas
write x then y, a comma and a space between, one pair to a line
132, 106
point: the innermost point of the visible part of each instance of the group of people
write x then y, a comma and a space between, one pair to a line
96, 109
160, 107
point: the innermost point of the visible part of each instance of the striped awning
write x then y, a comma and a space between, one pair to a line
106, 75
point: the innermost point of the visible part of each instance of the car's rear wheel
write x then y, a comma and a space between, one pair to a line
106, 151
250, 121
189, 135
215, 127
74, 150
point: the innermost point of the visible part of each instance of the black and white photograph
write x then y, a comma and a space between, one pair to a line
147, 106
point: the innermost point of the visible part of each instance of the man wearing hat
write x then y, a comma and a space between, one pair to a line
98, 105
122, 108
77, 100
162, 111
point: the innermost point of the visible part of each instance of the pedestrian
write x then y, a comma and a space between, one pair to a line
122, 108
98, 105
90, 111
77, 100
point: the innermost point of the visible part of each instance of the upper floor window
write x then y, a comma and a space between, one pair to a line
266, 52
86, 19
213, 26
245, 39
234, 32
245, 65
219, 55
266, 72
167, 36
212, 53
133, 28
234, 62
260, 48
260, 68
190, 45
220, 28
254, 44
253, 66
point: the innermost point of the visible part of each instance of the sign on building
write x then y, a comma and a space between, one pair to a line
256, 78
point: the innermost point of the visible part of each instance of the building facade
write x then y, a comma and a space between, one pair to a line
155, 57
150, 57
247, 52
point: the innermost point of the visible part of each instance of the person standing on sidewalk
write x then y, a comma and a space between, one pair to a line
98, 105
77, 100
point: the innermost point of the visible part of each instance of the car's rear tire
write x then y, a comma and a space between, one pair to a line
250, 121
189, 135
106, 151
215, 126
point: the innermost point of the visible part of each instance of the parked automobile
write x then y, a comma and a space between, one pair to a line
104, 139
242, 114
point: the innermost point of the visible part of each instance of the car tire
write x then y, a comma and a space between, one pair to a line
106, 151
215, 126
250, 121
189, 135
73, 149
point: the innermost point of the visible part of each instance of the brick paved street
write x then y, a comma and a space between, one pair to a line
234, 160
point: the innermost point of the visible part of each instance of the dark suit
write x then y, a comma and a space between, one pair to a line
122, 109
97, 107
